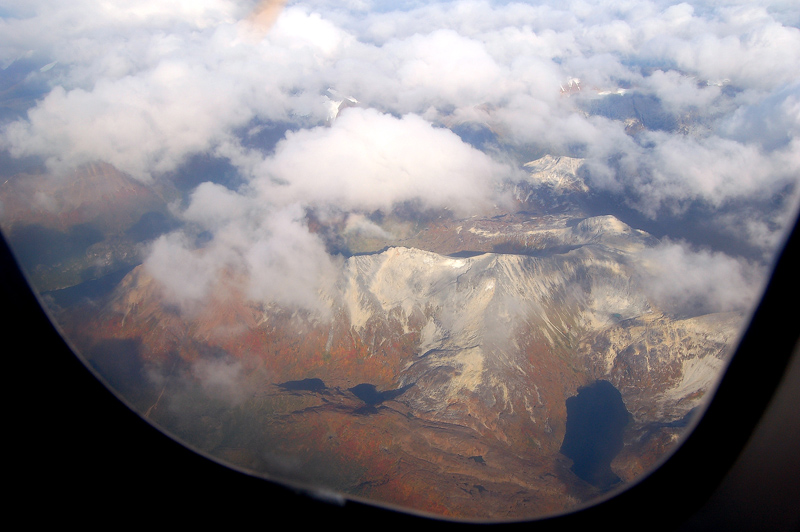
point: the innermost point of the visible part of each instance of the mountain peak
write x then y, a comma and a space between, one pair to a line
558, 172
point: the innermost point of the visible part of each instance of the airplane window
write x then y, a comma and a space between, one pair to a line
479, 260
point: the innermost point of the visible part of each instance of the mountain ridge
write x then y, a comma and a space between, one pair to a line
492, 343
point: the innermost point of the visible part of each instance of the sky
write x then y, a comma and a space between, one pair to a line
147, 85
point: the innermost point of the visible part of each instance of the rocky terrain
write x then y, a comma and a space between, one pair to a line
69, 229
436, 376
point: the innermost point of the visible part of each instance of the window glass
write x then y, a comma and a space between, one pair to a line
472, 259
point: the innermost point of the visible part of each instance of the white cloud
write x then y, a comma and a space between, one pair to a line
679, 169
186, 276
368, 160
289, 266
263, 252
741, 43
155, 68
361, 225
772, 121
213, 206
146, 86
690, 282
680, 93
221, 379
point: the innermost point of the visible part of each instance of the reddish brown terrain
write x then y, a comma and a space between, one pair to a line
437, 382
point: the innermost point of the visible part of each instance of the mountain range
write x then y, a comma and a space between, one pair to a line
436, 374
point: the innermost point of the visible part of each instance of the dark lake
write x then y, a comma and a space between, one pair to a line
371, 396
88, 290
596, 420
304, 385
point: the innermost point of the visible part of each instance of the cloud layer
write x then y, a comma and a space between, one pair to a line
146, 87
690, 282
